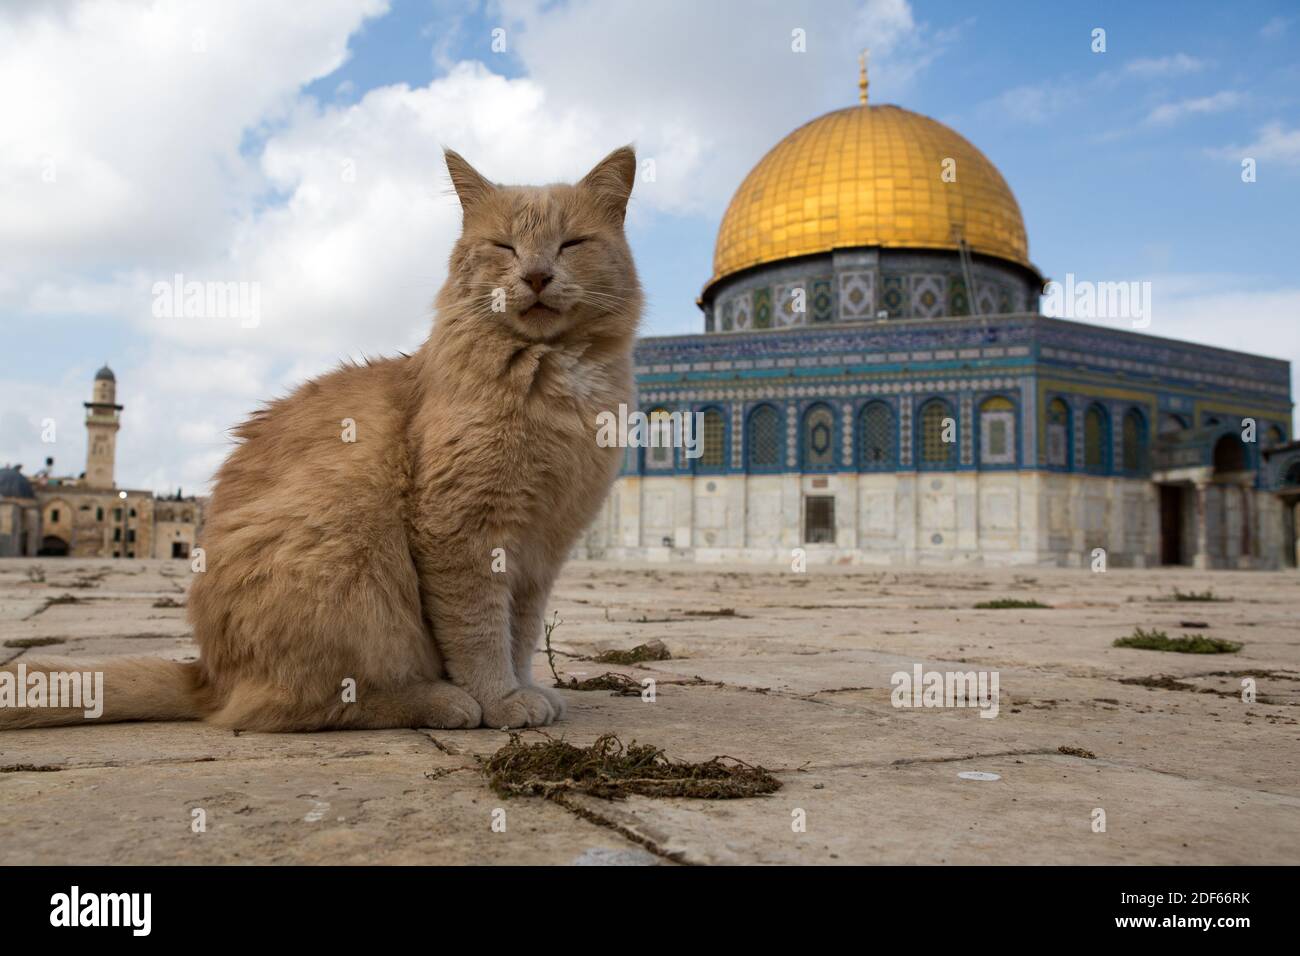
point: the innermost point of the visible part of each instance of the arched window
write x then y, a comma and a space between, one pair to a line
938, 435
763, 439
1133, 442
1229, 454
818, 438
997, 431
1058, 434
876, 436
713, 441
659, 447
1096, 439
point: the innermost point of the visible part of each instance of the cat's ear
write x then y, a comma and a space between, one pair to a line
471, 188
611, 180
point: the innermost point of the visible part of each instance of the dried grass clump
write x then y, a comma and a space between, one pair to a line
650, 651
620, 684
611, 770
1077, 752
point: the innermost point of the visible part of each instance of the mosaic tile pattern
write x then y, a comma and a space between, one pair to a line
763, 308
1057, 342
958, 300
1116, 412
905, 434
846, 434
964, 428
791, 446
1010, 300
737, 434
894, 295
790, 297
857, 295
822, 302
959, 360
1078, 411
926, 299
742, 313
726, 314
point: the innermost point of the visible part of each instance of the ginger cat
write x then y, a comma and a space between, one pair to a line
373, 559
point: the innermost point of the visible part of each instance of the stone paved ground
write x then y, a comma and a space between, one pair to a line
797, 679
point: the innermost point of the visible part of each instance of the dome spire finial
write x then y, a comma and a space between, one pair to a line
862, 77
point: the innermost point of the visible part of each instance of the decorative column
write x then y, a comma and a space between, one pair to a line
966, 428
1202, 557
1295, 523
1247, 547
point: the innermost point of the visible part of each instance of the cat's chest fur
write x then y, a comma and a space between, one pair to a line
560, 374
517, 456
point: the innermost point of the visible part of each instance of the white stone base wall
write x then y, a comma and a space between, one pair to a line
920, 518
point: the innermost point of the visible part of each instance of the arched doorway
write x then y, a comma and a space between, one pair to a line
53, 547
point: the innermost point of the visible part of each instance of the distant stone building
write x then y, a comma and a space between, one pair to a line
89, 516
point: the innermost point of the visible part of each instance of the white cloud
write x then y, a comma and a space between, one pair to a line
1274, 143
1031, 104
1274, 28
1036, 103
125, 139
1174, 65
1168, 113
699, 119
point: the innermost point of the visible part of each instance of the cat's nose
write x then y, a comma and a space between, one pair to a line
538, 281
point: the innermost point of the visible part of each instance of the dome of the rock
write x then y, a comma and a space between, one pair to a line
869, 176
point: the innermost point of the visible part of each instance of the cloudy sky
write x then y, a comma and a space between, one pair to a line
249, 141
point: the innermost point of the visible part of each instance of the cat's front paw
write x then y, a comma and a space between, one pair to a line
553, 696
450, 708
522, 707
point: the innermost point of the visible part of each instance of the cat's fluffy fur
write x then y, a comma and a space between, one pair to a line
376, 560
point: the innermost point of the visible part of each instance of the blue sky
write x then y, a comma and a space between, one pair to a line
222, 164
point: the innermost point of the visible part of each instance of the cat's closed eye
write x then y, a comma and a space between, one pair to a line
570, 243
506, 246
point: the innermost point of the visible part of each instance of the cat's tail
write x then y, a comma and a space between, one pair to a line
53, 693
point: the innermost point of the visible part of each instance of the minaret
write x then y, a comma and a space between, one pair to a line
102, 423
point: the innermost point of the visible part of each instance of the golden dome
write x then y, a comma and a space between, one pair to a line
869, 176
